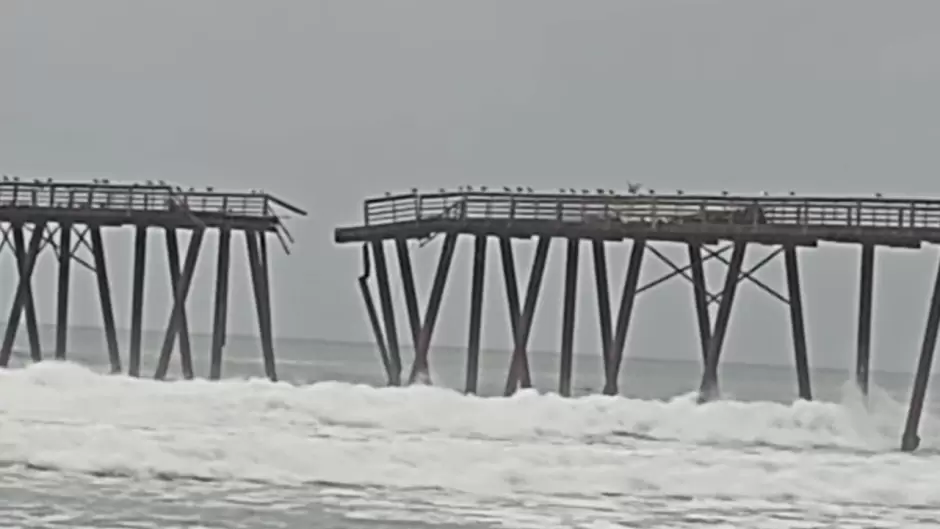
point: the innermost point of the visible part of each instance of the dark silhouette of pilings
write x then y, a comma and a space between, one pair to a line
614, 332
67, 217
866, 291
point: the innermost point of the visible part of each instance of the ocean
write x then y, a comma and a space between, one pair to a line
328, 447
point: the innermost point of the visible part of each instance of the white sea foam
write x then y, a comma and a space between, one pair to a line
576, 453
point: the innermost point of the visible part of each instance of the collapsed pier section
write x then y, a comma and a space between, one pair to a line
604, 218
69, 217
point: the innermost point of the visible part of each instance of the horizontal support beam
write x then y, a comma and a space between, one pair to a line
752, 234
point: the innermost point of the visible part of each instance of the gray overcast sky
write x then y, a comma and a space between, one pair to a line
325, 103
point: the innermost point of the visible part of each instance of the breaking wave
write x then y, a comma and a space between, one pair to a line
64, 417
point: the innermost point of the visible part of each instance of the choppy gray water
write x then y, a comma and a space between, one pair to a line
79, 449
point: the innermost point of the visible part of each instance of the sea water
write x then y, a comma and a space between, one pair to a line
327, 447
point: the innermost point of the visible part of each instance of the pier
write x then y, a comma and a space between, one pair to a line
66, 217
710, 226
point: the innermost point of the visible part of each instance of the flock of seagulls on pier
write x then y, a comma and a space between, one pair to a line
106, 182
632, 189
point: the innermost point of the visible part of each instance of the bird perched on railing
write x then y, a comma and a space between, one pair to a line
877, 195
506, 189
680, 192
388, 193
483, 188
633, 188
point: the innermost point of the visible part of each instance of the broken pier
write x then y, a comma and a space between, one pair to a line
600, 219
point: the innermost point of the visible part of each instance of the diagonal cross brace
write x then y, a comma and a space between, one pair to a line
614, 354
676, 269
421, 332
713, 254
20, 298
749, 274
173, 261
521, 320
179, 297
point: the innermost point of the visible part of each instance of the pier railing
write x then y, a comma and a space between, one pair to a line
135, 198
655, 210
